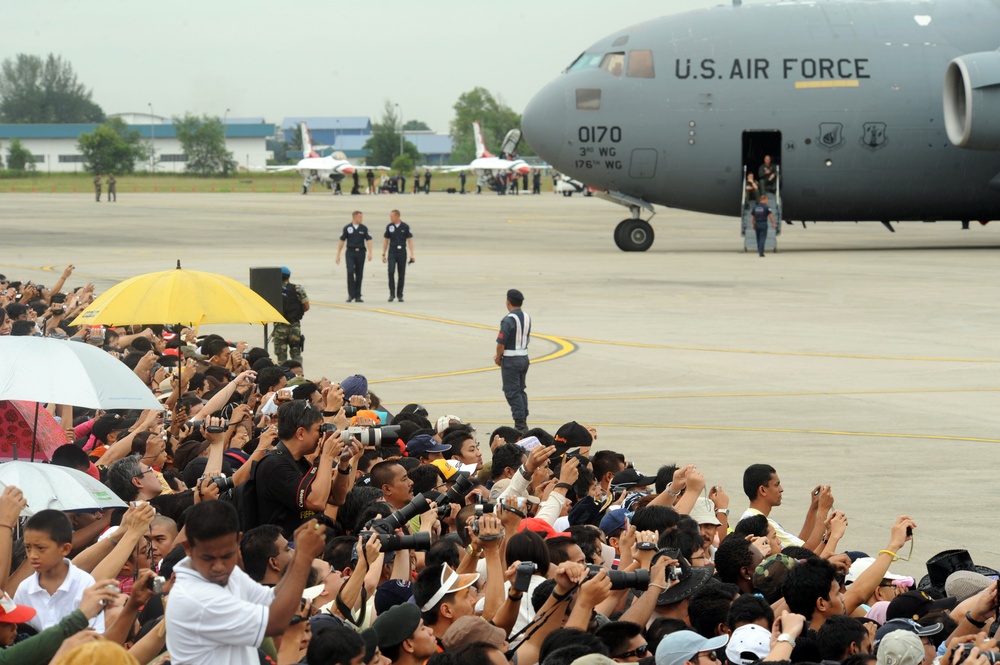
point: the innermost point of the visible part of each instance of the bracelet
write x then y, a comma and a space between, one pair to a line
346, 471
890, 553
977, 624
7, 526
658, 586
515, 597
561, 597
563, 486
329, 414
668, 489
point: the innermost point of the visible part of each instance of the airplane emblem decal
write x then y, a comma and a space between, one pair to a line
874, 136
831, 135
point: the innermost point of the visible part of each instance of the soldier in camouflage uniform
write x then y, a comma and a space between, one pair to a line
295, 303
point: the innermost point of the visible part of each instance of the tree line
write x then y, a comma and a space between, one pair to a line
36, 90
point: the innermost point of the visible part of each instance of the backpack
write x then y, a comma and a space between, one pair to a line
244, 498
291, 303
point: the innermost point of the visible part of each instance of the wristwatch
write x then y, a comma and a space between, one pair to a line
785, 637
724, 511
523, 470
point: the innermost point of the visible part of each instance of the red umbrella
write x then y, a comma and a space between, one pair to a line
19, 434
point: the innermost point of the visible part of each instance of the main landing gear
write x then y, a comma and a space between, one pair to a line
633, 234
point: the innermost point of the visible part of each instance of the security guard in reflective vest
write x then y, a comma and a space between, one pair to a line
512, 357
355, 235
397, 237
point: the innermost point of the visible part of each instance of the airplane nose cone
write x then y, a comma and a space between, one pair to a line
524, 169
544, 122
349, 170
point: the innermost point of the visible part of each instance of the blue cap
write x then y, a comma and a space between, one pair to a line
422, 444
613, 520
285, 271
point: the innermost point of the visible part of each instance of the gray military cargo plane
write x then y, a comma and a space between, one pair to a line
845, 96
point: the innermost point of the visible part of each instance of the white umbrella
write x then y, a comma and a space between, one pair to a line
57, 487
42, 369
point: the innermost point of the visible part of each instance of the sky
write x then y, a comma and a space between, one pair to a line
332, 58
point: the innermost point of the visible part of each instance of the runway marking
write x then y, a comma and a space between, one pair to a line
761, 352
804, 393
811, 85
564, 347
769, 430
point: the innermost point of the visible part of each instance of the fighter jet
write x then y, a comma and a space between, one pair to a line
487, 167
844, 96
328, 170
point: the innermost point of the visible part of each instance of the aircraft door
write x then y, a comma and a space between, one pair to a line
510, 143
758, 145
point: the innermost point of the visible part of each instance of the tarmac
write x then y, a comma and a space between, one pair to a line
852, 357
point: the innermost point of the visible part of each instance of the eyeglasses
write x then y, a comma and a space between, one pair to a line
638, 652
707, 654
143, 473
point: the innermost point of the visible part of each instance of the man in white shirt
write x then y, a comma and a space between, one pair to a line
217, 615
763, 487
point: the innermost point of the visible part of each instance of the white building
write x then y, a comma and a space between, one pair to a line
54, 147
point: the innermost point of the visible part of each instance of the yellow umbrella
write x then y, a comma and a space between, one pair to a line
186, 297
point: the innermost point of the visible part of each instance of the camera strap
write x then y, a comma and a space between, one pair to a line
342, 606
535, 624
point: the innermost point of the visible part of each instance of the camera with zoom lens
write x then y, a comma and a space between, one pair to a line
372, 437
638, 580
327, 427
522, 581
964, 650
420, 541
223, 483
351, 411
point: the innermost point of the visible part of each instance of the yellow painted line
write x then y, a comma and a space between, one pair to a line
564, 347
804, 393
768, 430
760, 352
812, 85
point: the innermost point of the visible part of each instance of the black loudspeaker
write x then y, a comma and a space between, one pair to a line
266, 282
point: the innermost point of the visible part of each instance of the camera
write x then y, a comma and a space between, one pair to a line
966, 649
211, 429
399, 518
638, 580
223, 483
156, 584
523, 579
327, 427
481, 509
371, 437
678, 572
350, 411
463, 485
420, 541
110, 587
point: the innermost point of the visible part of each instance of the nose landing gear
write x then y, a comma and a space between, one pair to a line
634, 235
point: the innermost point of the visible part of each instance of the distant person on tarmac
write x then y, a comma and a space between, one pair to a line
767, 176
97, 187
427, 181
760, 215
112, 188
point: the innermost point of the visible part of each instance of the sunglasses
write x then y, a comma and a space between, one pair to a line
638, 652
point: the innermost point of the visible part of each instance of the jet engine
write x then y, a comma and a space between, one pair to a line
972, 101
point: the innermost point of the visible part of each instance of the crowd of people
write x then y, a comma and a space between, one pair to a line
276, 516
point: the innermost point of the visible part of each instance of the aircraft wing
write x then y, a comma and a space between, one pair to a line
452, 168
275, 169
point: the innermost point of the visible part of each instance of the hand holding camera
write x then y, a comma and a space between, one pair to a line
902, 531
207, 490
95, 598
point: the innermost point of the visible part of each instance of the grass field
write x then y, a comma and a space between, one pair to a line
263, 183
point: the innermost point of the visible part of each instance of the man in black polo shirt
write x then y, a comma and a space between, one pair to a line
289, 489
397, 238
355, 236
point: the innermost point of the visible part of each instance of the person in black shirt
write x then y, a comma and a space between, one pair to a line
397, 238
289, 489
355, 236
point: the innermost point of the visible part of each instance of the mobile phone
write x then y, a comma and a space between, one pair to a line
909, 532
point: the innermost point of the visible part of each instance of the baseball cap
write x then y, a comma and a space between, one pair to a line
915, 604
574, 435
451, 582
444, 421
906, 625
392, 593
422, 444
769, 575
11, 612
900, 648
703, 512
678, 647
396, 625
469, 629
630, 478
541, 527
861, 565
613, 520
748, 644
446, 469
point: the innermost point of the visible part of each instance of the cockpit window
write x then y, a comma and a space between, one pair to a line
586, 61
640, 65
613, 63
588, 99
